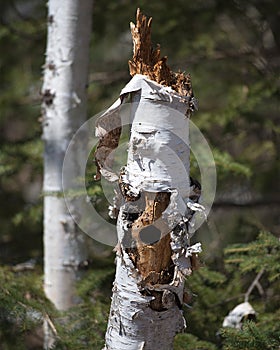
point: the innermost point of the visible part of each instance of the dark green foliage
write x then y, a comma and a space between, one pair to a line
83, 327
22, 38
190, 342
23, 306
208, 289
259, 255
216, 293
252, 337
263, 253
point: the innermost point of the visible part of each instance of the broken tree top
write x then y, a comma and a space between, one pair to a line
147, 61
156, 81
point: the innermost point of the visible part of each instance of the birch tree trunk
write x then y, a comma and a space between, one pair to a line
64, 110
158, 199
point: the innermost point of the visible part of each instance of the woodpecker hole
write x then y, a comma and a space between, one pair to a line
150, 234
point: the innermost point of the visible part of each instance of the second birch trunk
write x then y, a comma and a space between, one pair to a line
64, 110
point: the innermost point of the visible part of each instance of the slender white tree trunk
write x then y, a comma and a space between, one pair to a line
64, 110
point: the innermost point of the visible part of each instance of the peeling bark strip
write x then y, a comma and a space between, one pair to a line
158, 200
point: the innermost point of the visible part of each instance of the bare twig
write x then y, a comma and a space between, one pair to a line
254, 284
50, 323
260, 288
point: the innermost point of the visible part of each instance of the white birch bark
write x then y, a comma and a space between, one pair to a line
158, 161
64, 110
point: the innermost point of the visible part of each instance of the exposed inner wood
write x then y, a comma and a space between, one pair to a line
148, 61
152, 260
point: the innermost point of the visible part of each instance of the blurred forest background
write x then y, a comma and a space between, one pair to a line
232, 50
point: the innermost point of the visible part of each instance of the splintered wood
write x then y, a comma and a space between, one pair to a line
148, 61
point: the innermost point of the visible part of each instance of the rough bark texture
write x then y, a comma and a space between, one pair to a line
64, 110
158, 201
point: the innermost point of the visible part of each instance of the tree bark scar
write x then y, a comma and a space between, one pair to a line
152, 256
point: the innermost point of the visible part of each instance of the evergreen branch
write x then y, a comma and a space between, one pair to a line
234, 261
237, 250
